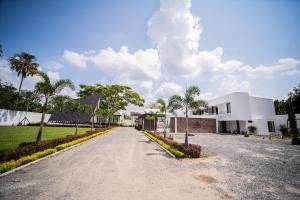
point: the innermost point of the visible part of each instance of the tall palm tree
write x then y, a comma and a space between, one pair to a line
49, 90
188, 102
24, 64
163, 109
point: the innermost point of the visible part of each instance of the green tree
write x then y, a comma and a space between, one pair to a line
188, 103
91, 111
113, 98
59, 102
49, 90
24, 64
76, 108
163, 109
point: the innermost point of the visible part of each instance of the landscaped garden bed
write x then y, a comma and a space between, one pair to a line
177, 149
31, 152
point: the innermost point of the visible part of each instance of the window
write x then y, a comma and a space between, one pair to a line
271, 126
228, 107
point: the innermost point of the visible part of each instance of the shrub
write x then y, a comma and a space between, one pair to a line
31, 148
6, 166
252, 129
178, 149
284, 130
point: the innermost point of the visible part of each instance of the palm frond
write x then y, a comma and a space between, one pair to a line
63, 83
163, 104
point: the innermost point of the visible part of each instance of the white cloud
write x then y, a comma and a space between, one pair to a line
283, 67
176, 33
141, 65
168, 89
206, 96
232, 83
78, 60
54, 76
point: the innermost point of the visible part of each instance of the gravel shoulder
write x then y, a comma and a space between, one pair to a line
250, 168
122, 164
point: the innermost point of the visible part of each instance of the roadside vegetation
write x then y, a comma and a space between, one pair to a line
180, 150
12, 136
47, 148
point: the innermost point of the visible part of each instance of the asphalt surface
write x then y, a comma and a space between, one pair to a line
122, 164
251, 168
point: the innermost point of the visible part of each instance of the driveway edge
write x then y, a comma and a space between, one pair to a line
168, 152
46, 157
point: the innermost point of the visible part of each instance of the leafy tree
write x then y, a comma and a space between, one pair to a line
59, 102
24, 64
76, 108
27, 100
280, 107
113, 98
292, 118
90, 110
49, 90
188, 103
294, 97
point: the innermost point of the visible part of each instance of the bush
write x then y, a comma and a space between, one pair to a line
8, 165
284, 130
178, 149
252, 129
31, 147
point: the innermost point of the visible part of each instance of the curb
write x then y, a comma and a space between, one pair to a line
48, 156
167, 151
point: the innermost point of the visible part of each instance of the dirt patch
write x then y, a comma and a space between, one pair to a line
207, 179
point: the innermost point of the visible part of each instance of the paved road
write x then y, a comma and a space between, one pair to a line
253, 168
122, 164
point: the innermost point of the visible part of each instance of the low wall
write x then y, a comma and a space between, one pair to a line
10, 117
195, 125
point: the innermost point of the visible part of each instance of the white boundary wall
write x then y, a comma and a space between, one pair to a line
10, 117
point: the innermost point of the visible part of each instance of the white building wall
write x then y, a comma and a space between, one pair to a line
10, 117
245, 108
239, 103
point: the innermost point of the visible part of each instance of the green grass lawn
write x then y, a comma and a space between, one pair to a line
12, 136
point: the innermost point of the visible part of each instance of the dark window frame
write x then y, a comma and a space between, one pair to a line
271, 126
228, 107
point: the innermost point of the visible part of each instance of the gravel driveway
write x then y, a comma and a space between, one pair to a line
250, 168
122, 164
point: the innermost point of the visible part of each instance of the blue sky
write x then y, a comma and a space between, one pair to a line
223, 47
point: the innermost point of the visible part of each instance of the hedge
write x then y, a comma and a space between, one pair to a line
28, 148
175, 152
8, 165
191, 151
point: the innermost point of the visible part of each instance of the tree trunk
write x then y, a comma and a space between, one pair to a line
92, 124
77, 121
76, 129
20, 86
39, 135
186, 126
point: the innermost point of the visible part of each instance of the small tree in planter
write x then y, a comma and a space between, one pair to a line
252, 129
284, 130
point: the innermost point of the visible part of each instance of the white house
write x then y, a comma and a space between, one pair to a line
236, 111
